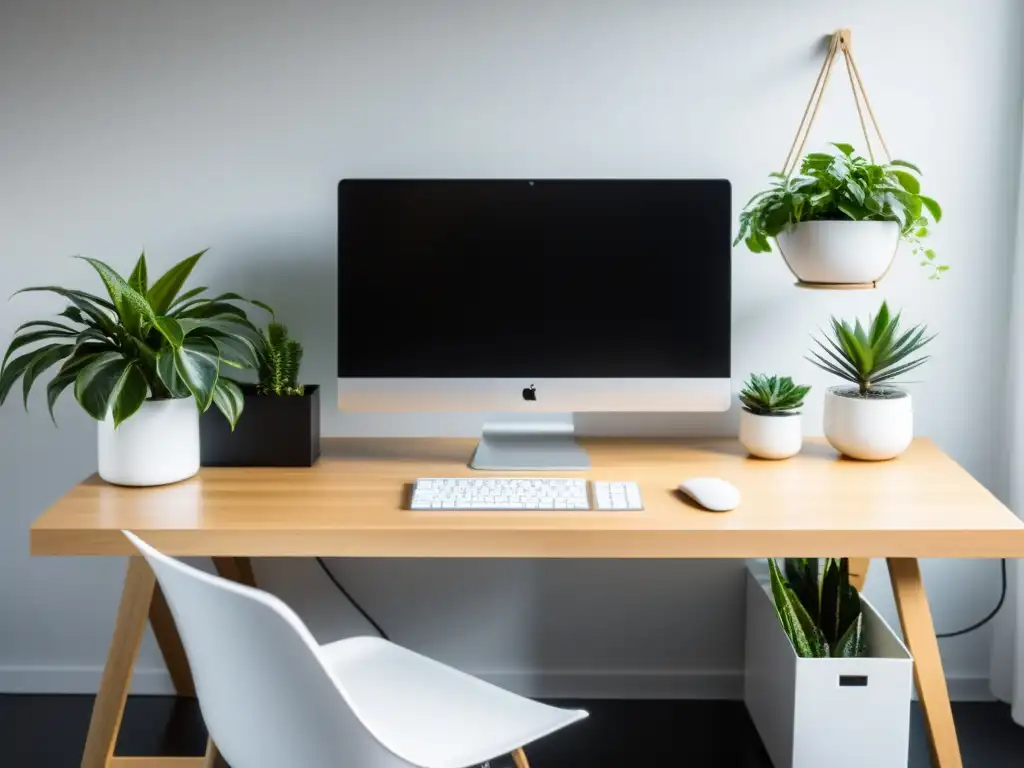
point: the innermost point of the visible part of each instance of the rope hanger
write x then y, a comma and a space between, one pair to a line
841, 41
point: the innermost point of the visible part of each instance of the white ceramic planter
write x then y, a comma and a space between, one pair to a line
837, 252
156, 446
817, 712
771, 437
870, 429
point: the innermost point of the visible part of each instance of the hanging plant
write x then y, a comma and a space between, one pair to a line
843, 187
837, 217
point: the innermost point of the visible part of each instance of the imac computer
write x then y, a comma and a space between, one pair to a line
526, 296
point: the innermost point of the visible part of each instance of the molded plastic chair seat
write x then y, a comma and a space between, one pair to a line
430, 714
273, 698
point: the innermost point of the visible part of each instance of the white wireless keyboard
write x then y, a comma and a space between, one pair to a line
513, 493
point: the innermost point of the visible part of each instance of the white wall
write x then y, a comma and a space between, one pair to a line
177, 126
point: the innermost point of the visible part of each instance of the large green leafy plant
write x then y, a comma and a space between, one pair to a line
872, 356
765, 395
143, 341
843, 186
821, 615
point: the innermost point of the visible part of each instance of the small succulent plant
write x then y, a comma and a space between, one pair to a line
765, 395
822, 616
871, 356
280, 358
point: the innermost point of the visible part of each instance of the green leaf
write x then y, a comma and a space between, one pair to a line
13, 371
164, 290
198, 364
42, 360
905, 164
170, 329
846, 149
168, 375
852, 644
908, 181
66, 376
98, 383
31, 338
933, 207
138, 279
90, 305
188, 295
236, 351
132, 307
229, 400
44, 324
130, 394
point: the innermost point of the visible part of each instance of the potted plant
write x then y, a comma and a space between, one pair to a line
282, 421
870, 419
840, 220
770, 419
823, 669
144, 364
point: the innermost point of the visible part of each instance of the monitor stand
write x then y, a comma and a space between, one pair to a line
520, 446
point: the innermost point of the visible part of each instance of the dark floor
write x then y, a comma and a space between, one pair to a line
48, 732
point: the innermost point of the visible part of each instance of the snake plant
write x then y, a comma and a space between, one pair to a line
146, 340
822, 616
869, 357
772, 395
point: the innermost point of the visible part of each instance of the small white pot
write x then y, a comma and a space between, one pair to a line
156, 446
871, 429
771, 437
840, 252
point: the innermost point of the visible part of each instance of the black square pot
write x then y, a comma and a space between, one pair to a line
274, 431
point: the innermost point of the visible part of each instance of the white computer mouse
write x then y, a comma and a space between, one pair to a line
712, 493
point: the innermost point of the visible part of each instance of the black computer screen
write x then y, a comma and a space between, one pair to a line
545, 278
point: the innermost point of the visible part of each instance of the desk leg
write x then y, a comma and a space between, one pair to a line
919, 634
169, 640
519, 758
139, 583
859, 571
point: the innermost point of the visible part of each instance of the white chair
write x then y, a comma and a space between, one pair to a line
272, 697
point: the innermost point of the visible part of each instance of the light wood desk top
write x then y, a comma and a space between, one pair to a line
352, 504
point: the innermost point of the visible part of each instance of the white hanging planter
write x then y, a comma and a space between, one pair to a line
839, 254
819, 712
866, 428
776, 436
156, 446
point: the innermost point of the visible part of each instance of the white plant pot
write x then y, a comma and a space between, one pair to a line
156, 446
771, 437
870, 429
839, 252
826, 712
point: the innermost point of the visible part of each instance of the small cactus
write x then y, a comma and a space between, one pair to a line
280, 359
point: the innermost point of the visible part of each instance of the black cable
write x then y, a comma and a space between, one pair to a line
357, 606
987, 619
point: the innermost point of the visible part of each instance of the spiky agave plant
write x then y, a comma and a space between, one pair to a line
280, 359
765, 395
146, 341
822, 616
873, 356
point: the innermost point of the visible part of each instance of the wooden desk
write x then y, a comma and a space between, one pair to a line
352, 505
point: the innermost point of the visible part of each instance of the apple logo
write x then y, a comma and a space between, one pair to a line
530, 393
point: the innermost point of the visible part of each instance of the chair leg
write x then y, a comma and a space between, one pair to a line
108, 708
919, 634
213, 758
519, 758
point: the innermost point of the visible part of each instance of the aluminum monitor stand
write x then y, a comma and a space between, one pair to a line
520, 446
